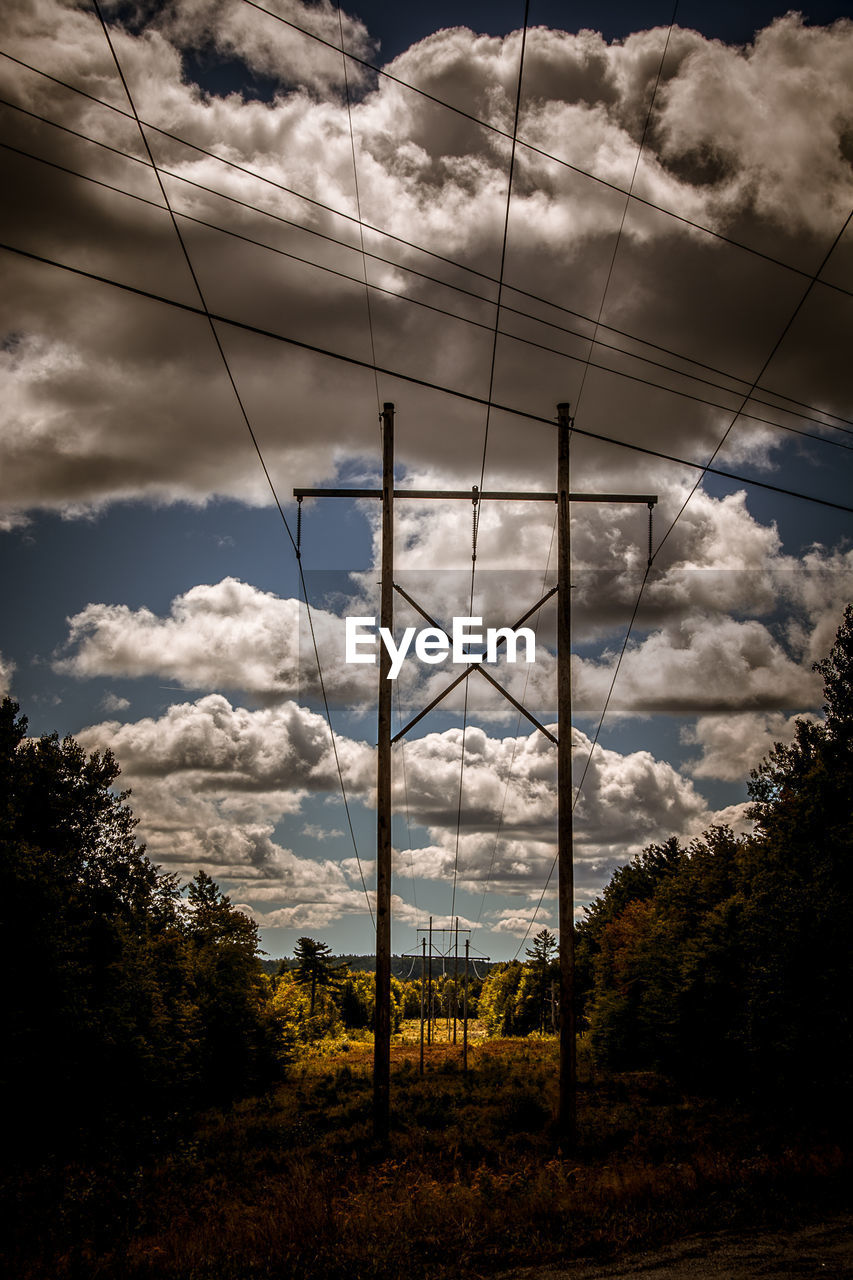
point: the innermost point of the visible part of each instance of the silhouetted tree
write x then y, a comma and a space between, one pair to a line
126, 1005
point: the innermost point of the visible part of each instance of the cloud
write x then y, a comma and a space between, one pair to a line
508, 829
7, 668
211, 781
110, 396
112, 702
271, 48
732, 745
227, 635
705, 664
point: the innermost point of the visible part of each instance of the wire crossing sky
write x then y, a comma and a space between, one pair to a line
646, 216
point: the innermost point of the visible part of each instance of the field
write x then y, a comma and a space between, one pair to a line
292, 1186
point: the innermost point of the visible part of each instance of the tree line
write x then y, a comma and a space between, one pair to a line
726, 962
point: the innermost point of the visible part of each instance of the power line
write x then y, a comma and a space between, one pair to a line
546, 155
777, 344
621, 227
418, 302
360, 222
576, 796
245, 416
467, 320
390, 235
410, 379
597, 341
653, 554
514, 750
593, 744
477, 503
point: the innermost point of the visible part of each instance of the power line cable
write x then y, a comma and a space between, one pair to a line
612, 263
593, 744
418, 302
607, 281
380, 289
456, 288
360, 222
406, 796
514, 750
653, 554
779, 262
410, 379
539, 151
777, 344
244, 414
478, 502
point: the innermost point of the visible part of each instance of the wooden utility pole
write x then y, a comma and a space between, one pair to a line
565, 842
465, 1008
455, 979
429, 987
382, 1023
423, 984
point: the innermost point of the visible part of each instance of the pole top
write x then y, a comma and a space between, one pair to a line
564, 409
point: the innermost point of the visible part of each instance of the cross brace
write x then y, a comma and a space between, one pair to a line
474, 495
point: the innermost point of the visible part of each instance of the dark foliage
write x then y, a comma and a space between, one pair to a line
126, 1003
729, 962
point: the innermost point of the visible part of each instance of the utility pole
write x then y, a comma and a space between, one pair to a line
423, 983
465, 1009
563, 498
429, 987
455, 979
565, 836
382, 1023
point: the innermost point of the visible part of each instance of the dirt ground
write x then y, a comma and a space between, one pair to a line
822, 1250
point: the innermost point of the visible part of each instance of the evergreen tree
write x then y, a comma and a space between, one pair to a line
314, 967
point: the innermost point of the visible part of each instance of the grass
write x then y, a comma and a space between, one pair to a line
292, 1187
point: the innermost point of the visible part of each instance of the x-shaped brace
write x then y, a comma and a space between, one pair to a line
473, 666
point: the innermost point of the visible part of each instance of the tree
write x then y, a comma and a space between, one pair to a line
314, 966
126, 1005
637, 881
498, 997
798, 912
236, 1033
88, 925
544, 969
729, 962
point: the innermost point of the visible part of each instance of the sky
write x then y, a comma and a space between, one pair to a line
672, 258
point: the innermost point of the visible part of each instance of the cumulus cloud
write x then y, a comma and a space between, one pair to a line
732, 745
110, 396
7, 668
227, 635
113, 702
507, 834
709, 664
211, 781
274, 49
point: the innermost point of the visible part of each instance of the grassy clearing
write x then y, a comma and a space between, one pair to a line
292, 1187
